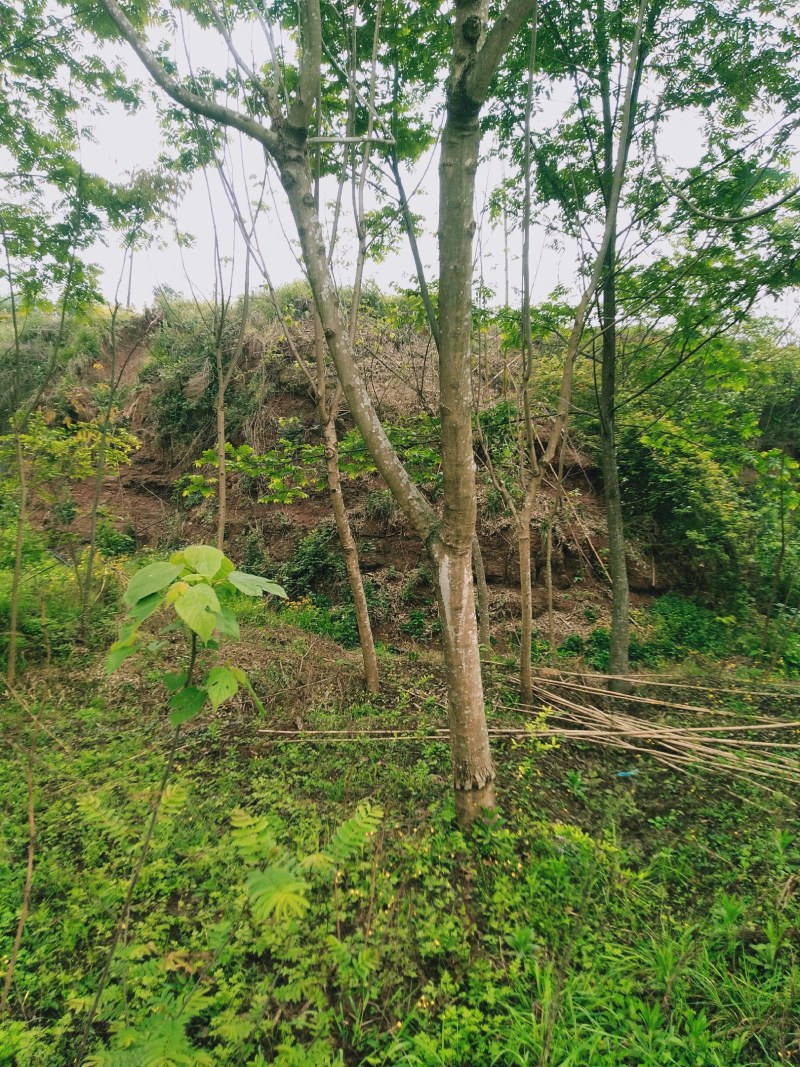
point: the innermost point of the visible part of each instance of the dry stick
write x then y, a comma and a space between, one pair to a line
19, 699
26, 893
673, 738
635, 699
643, 679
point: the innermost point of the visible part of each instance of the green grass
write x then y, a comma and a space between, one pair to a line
649, 920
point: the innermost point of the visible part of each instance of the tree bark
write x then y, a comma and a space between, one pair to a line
449, 544
620, 595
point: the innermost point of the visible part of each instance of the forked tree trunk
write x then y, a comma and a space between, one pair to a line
449, 544
476, 56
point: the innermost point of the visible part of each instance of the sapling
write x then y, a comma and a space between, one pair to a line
198, 583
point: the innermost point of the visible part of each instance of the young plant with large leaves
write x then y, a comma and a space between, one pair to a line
199, 584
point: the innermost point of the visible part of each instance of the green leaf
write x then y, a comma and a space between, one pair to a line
276, 891
118, 653
199, 608
225, 569
186, 703
222, 685
253, 585
354, 833
150, 580
227, 623
174, 681
145, 607
204, 559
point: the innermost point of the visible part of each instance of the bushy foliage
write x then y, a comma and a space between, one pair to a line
673, 629
316, 563
638, 932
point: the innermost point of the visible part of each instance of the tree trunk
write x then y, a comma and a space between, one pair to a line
450, 545
526, 611
469, 739
620, 596
350, 552
473, 772
548, 577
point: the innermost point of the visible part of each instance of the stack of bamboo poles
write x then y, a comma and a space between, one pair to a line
761, 748
685, 737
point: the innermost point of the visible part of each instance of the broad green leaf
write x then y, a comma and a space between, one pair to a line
225, 569
227, 623
146, 607
150, 580
204, 559
198, 607
174, 681
118, 653
178, 589
254, 585
222, 685
186, 703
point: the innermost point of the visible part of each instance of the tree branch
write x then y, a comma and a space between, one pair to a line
198, 105
301, 108
721, 220
495, 46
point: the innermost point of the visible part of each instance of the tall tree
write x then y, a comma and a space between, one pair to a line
583, 47
281, 121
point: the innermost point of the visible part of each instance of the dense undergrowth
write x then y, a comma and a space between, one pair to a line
614, 913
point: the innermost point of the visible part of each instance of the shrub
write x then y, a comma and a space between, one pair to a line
683, 626
316, 563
